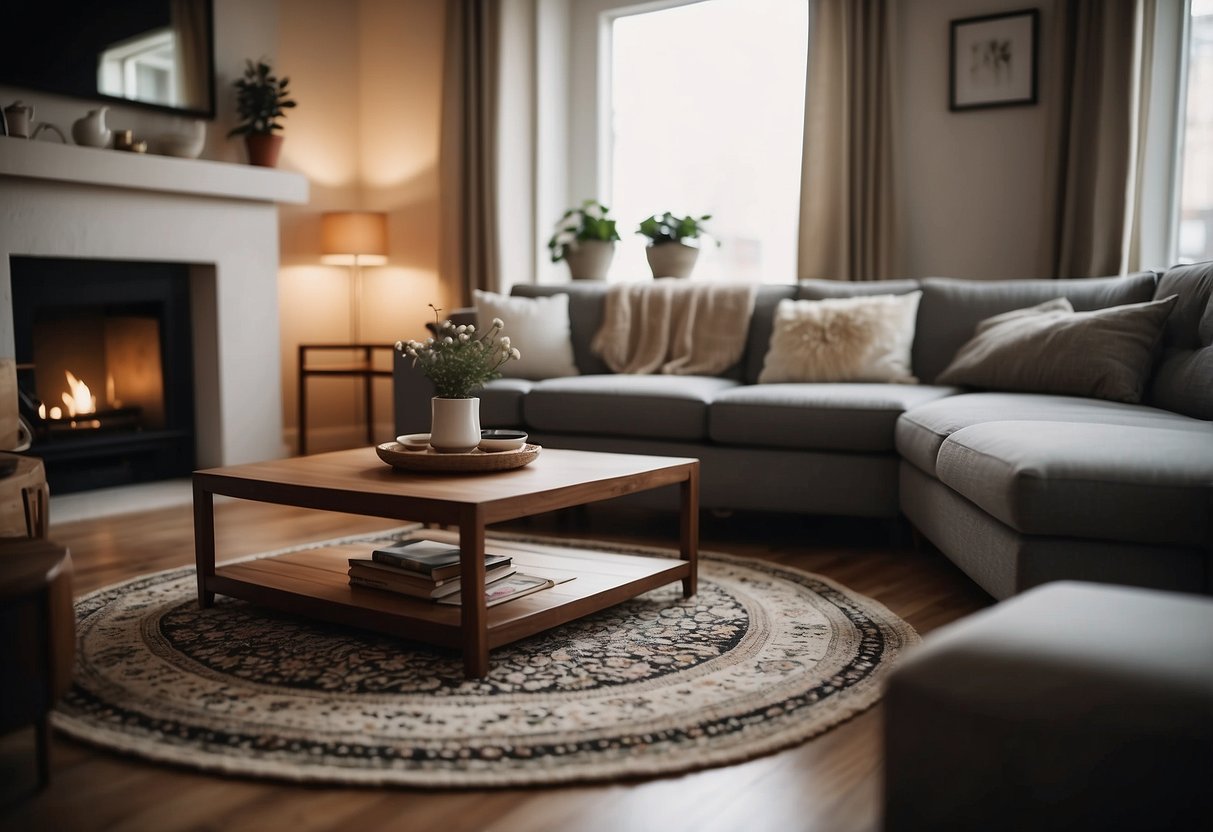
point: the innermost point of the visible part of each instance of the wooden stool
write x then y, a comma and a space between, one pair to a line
37, 637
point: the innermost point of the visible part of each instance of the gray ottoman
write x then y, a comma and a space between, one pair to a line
1071, 706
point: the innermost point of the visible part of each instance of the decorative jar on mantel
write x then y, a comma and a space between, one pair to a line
91, 131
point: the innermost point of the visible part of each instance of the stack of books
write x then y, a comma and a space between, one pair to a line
429, 570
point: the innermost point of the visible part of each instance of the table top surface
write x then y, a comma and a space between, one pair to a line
360, 471
29, 565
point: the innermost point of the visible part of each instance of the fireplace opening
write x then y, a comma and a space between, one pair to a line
105, 369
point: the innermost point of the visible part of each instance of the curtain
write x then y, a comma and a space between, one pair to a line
470, 257
846, 189
1089, 136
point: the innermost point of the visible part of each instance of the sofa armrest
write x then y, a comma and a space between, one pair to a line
411, 394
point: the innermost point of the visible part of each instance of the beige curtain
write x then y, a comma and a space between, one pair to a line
846, 188
1090, 115
470, 258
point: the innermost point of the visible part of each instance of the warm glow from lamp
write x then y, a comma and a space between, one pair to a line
356, 239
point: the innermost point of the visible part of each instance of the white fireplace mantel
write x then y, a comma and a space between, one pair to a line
222, 219
143, 172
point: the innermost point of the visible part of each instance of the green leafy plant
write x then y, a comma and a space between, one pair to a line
668, 228
260, 100
589, 221
459, 360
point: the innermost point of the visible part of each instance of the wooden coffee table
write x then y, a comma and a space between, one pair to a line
314, 583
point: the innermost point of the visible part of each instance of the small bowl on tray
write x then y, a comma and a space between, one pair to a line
501, 440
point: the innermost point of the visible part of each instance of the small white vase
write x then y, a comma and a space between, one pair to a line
91, 131
454, 425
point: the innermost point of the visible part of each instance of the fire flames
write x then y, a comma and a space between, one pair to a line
78, 400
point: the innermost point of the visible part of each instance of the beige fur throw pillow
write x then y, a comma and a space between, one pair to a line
842, 339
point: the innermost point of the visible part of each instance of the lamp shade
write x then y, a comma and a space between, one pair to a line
353, 236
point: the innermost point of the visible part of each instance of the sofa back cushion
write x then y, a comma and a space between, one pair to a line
951, 309
586, 304
762, 323
1183, 379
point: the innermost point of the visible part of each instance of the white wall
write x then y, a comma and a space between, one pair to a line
970, 184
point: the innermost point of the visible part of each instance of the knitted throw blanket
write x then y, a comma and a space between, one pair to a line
675, 326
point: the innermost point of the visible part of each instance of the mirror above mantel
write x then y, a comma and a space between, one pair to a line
155, 54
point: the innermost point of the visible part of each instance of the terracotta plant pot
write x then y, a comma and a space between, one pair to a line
590, 259
672, 259
263, 149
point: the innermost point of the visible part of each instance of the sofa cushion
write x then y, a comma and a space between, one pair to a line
586, 301
1183, 380
501, 402
951, 309
657, 407
861, 339
540, 330
921, 431
1050, 348
846, 417
1147, 484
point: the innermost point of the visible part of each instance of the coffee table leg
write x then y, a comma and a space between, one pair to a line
689, 530
471, 575
204, 542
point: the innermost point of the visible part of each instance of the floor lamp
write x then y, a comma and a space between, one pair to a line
355, 239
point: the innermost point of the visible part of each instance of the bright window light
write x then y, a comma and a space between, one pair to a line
707, 117
1195, 239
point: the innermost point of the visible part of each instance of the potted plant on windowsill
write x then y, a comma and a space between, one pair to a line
585, 239
260, 101
668, 255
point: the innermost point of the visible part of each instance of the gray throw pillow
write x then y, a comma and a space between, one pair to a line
1050, 348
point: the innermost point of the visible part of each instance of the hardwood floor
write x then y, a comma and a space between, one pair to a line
831, 782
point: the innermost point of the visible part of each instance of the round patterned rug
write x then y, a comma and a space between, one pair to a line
762, 658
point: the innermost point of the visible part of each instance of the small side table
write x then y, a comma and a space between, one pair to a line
37, 637
362, 367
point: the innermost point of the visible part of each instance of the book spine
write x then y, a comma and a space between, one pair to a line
402, 562
372, 583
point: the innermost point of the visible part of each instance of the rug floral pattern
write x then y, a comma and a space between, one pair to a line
763, 657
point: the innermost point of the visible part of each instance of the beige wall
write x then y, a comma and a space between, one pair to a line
368, 79
969, 184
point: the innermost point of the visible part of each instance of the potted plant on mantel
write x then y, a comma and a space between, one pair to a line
260, 101
668, 255
585, 239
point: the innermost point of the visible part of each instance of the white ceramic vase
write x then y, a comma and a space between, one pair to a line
672, 259
590, 259
454, 425
91, 131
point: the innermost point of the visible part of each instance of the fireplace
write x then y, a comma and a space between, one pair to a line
81, 203
105, 369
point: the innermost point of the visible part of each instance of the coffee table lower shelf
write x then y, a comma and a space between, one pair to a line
313, 583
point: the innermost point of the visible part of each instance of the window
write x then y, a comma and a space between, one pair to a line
707, 117
142, 68
1195, 237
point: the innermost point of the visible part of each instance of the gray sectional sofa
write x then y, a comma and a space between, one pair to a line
1017, 489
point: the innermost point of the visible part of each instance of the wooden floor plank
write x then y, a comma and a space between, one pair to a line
828, 783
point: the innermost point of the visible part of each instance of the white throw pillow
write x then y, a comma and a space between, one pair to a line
538, 327
843, 339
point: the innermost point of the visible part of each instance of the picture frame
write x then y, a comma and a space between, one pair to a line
993, 60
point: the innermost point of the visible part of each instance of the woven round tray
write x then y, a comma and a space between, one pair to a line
477, 461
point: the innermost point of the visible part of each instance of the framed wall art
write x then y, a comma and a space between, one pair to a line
993, 60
